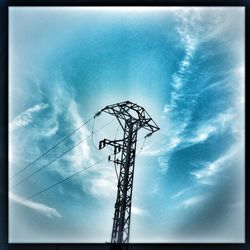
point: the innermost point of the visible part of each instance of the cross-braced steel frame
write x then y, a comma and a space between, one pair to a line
131, 117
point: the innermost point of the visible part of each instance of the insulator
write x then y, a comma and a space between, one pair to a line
148, 135
98, 113
102, 144
117, 149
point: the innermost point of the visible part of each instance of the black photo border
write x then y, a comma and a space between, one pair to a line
4, 4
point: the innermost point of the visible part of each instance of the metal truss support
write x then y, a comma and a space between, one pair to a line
131, 118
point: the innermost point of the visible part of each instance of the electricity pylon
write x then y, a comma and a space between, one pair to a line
131, 117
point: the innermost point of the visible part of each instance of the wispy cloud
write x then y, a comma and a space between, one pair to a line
218, 124
180, 193
26, 117
51, 131
190, 42
194, 29
203, 134
203, 130
81, 154
179, 118
206, 174
138, 211
38, 207
100, 181
163, 163
191, 202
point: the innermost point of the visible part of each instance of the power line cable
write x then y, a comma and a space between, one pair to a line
65, 152
141, 146
61, 181
116, 171
115, 155
92, 138
45, 153
116, 133
92, 133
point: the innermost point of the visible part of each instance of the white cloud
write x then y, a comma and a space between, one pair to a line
167, 108
196, 26
166, 147
204, 175
185, 29
203, 133
51, 131
102, 182
154, 189
26, 117
202, 24
163, 164
138, 211
218, 124
99, 181
81, 154
191, 202
38, 207
180, 193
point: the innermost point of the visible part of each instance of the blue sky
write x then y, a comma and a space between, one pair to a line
185, 66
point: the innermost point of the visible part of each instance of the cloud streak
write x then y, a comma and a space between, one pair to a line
204, 175
100, 182
38, 207
191, 202
26, 117
138, 211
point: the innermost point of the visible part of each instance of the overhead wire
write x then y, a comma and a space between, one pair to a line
115, 164
57, 144
145, 137
92, 136
92, 139
65, 152
62, 181
92, 133
116, 133
115, 155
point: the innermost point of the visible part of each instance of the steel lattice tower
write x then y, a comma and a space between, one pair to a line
131, 117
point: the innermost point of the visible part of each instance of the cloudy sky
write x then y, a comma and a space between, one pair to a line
185, 66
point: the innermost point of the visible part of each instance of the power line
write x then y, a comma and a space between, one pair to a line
65, 152
61, 181
117, 176
115, 164
141, 145
58, 143
46, 165
116, 133
92, 133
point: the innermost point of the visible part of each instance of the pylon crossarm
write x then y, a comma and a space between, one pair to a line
117, 144
123, 111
